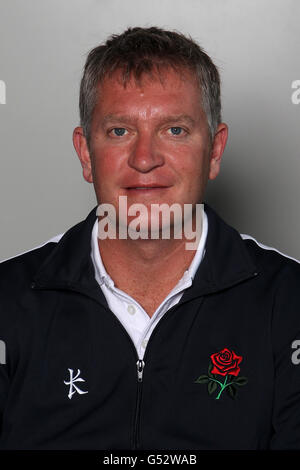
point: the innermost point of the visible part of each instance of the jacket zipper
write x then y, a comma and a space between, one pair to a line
140, 369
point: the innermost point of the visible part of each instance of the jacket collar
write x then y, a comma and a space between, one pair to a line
226, 261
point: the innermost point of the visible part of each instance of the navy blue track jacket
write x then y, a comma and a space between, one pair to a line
220, 370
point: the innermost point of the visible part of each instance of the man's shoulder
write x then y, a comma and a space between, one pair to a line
21, 267
269, 258
19, 271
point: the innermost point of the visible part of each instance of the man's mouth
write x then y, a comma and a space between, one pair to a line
147, 187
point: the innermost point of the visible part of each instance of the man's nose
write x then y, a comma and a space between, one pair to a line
145, 154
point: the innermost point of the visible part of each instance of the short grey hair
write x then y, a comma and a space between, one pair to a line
142, 50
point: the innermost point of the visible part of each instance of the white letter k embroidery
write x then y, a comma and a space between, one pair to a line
73, 388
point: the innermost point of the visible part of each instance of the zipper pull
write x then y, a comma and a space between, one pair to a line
140, 368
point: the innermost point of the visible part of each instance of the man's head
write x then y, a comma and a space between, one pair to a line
150, 116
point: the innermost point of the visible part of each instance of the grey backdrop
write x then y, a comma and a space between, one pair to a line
43, 45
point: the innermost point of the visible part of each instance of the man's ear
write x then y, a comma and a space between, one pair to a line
81, 147
217, 150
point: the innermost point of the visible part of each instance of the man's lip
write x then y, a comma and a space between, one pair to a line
150, 186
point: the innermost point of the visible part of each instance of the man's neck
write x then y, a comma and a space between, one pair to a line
147, 270
145, 261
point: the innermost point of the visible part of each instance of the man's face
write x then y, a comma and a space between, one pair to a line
153, 135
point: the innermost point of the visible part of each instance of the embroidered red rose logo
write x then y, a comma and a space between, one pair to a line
224, 363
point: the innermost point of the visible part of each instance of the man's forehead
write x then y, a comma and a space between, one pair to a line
168, 97
162, 76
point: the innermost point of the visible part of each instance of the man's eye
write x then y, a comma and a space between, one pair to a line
176, 130
119, 131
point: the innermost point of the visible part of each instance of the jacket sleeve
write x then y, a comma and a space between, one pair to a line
286, 353
4, 383
7, 331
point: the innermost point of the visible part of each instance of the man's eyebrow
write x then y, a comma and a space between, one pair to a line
177, 118
162, 119
117, 117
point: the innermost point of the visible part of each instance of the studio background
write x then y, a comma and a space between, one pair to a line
43, 46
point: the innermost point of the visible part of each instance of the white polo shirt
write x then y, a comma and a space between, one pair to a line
130, 313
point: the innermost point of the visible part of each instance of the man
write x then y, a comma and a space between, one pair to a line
126, 342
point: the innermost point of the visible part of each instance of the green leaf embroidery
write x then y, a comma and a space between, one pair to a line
232, 391
202, 379
211, 387
240, 381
